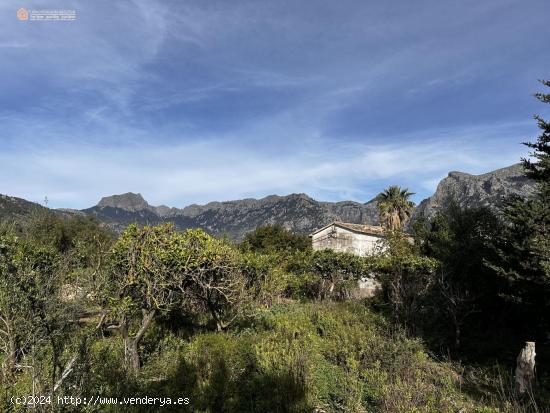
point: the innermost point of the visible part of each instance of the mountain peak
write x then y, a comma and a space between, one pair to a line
488, 189
458, 174
128, 201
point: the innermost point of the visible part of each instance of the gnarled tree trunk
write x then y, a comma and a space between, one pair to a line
131, 343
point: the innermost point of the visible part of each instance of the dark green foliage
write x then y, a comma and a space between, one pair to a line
35, 323
408, 280
467, 292
524, 247
274, 238
86, 233
539, 169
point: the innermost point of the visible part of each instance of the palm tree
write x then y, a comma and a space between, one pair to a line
395, 207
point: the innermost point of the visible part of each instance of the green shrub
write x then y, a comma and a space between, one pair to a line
274, 239
298, 357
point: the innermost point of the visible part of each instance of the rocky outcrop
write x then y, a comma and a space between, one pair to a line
467, 190
128, 202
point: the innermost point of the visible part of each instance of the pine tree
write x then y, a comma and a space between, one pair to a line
540, 169
524, 247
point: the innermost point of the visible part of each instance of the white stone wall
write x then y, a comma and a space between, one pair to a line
344, 240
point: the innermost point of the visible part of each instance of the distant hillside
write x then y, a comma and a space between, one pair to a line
13, 208
19, 210
296, 212
488, 189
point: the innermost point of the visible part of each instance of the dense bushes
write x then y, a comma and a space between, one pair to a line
300, 357
158, 312
408, 281
295, 358
274, 239
323, 274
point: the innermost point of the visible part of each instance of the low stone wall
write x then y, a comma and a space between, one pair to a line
367, 287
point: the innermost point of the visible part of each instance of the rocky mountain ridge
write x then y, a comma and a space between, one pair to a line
296, 212
489, 189
302, 214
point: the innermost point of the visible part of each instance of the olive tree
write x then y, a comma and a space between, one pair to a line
144, 282
157, 269
210, 277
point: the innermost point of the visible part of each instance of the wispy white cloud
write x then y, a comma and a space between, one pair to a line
197, 101
213, 169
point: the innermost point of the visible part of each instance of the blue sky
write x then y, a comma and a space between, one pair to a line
194, 101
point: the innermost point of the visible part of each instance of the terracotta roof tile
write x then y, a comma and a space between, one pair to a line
361, 228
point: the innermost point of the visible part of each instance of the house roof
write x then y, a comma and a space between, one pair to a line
359, 228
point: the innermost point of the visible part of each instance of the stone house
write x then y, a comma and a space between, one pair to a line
358, 239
